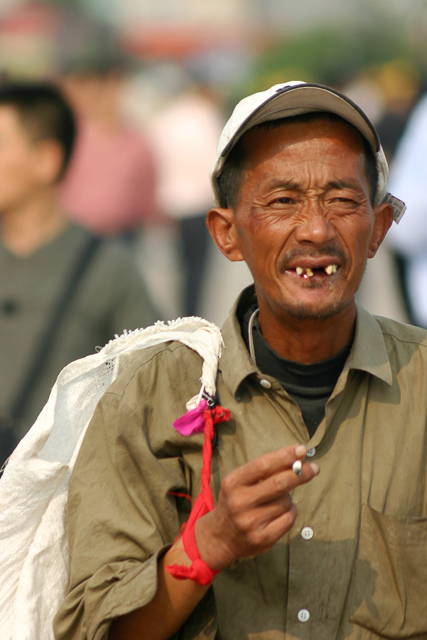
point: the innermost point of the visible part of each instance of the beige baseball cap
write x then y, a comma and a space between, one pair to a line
292, 99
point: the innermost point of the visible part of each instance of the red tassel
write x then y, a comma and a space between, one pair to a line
199, 571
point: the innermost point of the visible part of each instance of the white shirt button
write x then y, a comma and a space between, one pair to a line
303, 615
307, 533
311, 452
265, 383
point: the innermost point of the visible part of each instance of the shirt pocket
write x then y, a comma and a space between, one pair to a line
390, 586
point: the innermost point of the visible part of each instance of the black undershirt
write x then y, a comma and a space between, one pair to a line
310, 385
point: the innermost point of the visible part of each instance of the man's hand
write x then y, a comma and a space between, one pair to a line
254, 508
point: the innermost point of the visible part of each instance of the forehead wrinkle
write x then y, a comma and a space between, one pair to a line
302, 149
348, 183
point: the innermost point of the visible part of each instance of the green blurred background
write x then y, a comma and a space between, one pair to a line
235, 44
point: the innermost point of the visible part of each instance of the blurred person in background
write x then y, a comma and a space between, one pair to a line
400, 82
63, 292
110, 185
408, 174
387, 94
184, 135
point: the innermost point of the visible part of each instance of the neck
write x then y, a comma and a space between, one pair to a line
28, 226
308, 340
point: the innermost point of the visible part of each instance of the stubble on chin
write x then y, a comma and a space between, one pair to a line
304, 310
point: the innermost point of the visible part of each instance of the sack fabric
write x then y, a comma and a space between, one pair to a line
34, 484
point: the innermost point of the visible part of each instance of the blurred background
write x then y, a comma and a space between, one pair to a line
170, 71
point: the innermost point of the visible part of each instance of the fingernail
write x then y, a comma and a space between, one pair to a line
300, 451
297, 467
315, 468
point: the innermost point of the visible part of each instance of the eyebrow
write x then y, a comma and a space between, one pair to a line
343, 184
289, 185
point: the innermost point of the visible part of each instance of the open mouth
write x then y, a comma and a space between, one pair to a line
309, 272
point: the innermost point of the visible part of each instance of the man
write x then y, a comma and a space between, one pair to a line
192, 120
300, 187
61, 293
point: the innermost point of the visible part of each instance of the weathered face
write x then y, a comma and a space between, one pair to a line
304, 222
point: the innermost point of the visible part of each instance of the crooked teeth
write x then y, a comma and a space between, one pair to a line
307, 272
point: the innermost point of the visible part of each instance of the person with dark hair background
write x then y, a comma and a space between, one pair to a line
63, 292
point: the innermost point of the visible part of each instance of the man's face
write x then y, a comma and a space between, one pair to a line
304, 222
19, 161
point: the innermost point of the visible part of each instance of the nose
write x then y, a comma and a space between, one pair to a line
314, 226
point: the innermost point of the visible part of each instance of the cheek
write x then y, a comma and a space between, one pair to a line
271, 229
355, 235
13, 168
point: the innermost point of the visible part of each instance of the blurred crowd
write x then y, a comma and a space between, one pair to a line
104, 188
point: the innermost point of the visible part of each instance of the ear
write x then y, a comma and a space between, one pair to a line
383, 220
222, 227
50, 155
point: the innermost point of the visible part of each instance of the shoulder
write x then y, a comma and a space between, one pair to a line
114, 268
115, 250
149, 394
406, 347
399, 332
162, 372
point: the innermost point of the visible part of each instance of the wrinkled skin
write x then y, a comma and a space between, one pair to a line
304, 206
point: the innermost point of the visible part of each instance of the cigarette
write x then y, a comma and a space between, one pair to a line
297, 467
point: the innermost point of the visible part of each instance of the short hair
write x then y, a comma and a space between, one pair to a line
230, 179
43, 112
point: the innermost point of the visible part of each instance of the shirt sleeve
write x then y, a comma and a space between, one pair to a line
121, 514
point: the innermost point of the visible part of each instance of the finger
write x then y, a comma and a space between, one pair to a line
252, 529
259, 517
280, 526
279, 484
267, 465
269, 511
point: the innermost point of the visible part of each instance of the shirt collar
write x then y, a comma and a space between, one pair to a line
368, 352
236, 363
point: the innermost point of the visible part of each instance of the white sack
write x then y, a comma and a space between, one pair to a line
34, 486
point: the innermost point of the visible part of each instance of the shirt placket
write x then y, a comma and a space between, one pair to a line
303, 619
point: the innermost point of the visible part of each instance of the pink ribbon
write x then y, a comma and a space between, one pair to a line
192, 421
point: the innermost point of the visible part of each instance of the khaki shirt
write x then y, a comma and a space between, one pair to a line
354, 566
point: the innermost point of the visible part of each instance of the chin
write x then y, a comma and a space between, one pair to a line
306, 310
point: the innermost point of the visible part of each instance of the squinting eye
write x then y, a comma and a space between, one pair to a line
282, 201
347, 201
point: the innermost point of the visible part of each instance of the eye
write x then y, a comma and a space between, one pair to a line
283, 200
343, 201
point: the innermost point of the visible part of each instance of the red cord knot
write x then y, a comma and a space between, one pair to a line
199, 571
